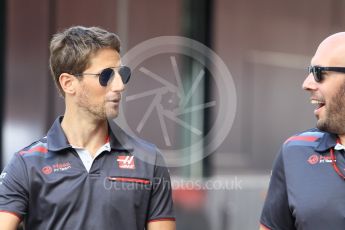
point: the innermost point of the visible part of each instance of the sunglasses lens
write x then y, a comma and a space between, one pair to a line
105, 76
125, 73
317, 73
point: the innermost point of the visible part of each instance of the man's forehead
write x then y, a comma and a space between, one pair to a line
331, 51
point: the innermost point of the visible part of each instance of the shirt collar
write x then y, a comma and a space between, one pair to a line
56, 138
327, 141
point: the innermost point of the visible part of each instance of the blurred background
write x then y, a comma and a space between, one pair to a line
266, 45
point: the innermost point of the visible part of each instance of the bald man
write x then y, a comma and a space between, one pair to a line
307, 187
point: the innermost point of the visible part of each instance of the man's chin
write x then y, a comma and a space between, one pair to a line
327, 127
112, 114
320, 124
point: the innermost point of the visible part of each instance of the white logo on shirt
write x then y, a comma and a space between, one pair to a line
126, 162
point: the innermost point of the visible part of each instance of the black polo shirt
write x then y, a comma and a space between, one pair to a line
47, 185
305, 192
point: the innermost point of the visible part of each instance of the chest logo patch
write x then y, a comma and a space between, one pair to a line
47, 170
315, 159
126, 162
59, 167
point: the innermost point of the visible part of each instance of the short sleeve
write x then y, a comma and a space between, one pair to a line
14, 187
161, 203
276, 213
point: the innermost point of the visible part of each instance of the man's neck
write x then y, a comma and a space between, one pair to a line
85, 132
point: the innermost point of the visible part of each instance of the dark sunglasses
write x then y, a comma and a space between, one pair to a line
318, 71
106, 74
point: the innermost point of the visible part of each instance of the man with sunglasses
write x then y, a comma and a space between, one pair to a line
87, 173
307, 185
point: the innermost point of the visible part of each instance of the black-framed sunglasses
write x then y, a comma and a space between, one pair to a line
106, 74
318, 71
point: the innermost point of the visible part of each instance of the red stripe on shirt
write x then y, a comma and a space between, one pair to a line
39, 149
302, 138
263, 227
126, 179
161, 219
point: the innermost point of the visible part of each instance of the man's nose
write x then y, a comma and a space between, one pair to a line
116, 84
309, 83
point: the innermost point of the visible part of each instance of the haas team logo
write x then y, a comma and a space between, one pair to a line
126, 162
47, 170
313, 159
319, 159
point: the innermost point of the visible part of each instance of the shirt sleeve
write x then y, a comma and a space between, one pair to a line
13, 187
161, 203
276, 213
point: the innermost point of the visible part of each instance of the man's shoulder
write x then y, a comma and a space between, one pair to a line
146, 151
143, 149
128, 141
36, 148
307, 138
141, 143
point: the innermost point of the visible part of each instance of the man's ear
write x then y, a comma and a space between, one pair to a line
68, 83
